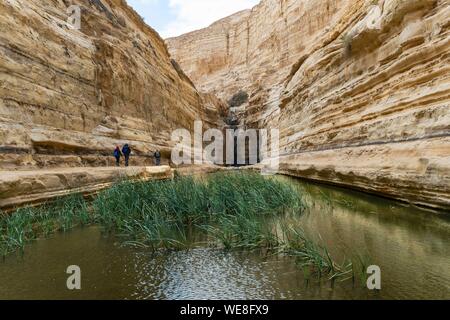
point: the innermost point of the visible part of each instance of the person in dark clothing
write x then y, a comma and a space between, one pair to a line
157, 158
117, 155
126, 150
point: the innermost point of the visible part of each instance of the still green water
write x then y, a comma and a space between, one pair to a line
411, 246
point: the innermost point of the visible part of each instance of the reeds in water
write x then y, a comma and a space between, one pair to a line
231, 210
27, 224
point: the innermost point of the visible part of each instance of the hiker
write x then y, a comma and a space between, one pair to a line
117, 155
126, 150
157, 158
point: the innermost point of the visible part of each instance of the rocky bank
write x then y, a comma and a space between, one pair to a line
359, 89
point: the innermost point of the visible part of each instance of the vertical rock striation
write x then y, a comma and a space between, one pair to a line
359, 89
67, 96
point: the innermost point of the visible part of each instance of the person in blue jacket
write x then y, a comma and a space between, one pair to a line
117, 155
157, 156
126, 150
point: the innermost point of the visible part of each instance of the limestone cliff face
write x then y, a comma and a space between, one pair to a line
67, 96
360, 90
256, 49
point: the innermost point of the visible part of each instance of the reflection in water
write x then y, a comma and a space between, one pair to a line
410, 245
201, 274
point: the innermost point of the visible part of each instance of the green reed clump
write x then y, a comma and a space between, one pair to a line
250, 194
236, 210
242, 231
227, 206
153, 213
314, 259
27, 224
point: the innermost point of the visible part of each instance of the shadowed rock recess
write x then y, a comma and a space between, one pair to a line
360, 90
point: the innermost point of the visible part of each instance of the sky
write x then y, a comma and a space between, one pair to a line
174, 17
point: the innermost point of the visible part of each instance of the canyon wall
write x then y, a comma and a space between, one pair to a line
68, 97
359, 89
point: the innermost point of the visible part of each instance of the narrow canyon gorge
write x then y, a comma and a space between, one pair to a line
359, 90
68, 97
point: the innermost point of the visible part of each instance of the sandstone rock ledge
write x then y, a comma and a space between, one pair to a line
419, 174
35, 187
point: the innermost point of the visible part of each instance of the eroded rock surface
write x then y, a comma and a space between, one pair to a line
360, 90
68, 97
38, 186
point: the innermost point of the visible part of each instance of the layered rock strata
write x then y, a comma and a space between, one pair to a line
35, 187
360, 90
68, 96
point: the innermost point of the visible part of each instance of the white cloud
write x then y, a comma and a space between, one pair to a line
196, 14
147, 2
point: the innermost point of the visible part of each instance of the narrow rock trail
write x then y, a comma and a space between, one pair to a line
36, 186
